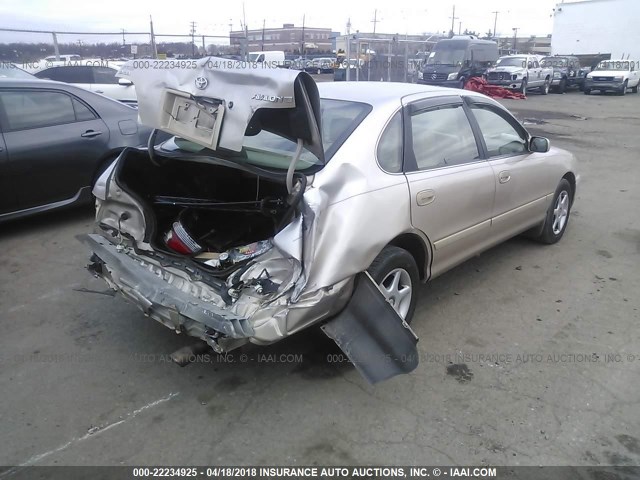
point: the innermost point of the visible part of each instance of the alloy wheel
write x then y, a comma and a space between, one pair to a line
560, 212
396, 287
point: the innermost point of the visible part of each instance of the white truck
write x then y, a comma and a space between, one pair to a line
521, 73
613, 76
273, 58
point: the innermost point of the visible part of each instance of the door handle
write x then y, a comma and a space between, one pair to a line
425, 197
504, 177
90, 133
99, 91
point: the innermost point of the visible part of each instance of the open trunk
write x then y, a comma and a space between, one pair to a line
219, 216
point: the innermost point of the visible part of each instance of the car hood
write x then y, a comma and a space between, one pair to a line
507, 69
215, 102
607, 73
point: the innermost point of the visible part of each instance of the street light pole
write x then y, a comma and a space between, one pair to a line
515, 39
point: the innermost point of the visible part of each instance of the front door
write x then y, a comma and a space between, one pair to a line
523, 180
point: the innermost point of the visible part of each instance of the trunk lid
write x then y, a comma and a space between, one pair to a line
215, 102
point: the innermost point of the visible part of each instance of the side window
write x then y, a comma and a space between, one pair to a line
82, 111
104, 75
500, 137
442, 138
34, 109
536, 64
390, 146
79, 74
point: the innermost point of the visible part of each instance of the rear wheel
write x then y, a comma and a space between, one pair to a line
558, 214
396, 273
587, 91
634, 89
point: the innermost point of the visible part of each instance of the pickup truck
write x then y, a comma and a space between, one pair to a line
521, 73
567, 72
613, 76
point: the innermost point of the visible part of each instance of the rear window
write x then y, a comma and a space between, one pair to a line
339, 119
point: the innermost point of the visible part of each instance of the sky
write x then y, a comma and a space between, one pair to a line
531, 17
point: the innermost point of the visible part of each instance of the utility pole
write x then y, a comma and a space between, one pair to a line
368, 51
375, 21
302, 51
246, 33
495, 24
460, 28
123, 41
348, 52
193, 44
453, 19
515, 39
154, 49
262, 49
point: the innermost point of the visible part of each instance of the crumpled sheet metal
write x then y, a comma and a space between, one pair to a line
480, 85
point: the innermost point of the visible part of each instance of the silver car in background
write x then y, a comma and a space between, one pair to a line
282, 204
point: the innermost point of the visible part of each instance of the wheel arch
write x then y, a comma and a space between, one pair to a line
420, 250
571, 178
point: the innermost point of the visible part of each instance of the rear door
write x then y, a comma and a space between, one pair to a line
54, 142
450, 185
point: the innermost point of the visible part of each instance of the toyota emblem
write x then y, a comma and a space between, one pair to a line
434, 76
201, 83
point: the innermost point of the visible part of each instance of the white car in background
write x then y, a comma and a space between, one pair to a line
614, 76
96, 75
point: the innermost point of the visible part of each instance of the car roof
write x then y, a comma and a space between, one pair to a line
379, 93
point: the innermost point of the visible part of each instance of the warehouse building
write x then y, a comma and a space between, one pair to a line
597, 27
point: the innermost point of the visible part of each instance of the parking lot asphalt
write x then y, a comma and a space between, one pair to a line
530, 354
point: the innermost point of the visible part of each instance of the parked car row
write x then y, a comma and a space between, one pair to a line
453, 61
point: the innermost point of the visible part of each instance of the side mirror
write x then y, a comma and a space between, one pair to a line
539, 144
125, 82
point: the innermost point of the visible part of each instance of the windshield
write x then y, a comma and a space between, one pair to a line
253, 57
339, 119
9, 70
512, 62
447, 56
554, 62
613, 65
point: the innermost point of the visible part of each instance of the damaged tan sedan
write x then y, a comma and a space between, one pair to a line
280, 204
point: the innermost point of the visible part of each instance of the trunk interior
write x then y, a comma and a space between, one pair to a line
220, 208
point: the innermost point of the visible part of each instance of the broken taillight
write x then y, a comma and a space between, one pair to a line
179, 240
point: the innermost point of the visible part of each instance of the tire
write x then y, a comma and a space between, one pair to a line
563, 86
623, 91
394, 263
544, 89
558, 215
587, 91
523, 87
635, 89
461, 83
